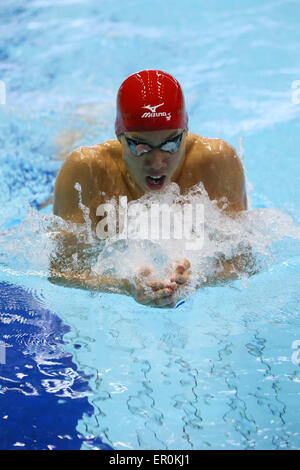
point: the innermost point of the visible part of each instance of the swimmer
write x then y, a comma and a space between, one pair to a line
153, 149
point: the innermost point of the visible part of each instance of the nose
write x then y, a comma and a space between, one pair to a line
156, 160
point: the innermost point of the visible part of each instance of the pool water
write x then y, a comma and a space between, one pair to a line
81, 370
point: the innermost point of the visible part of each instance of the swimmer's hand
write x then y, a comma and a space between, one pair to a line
151, 291
180, 272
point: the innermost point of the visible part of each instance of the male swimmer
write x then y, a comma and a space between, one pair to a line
153, 148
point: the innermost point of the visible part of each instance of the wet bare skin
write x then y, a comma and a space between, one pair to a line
151, 290
109, 169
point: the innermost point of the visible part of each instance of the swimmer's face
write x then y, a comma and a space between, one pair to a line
152, 168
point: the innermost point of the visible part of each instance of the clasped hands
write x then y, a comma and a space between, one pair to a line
152, 291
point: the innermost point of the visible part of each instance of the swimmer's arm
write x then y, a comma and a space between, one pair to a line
69, 266
229, 189
219, 276
159, 294
230, 270
226, 178
88, 280
230, 192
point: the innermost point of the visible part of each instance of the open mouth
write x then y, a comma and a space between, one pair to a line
155, 182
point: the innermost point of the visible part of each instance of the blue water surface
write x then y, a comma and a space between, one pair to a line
100, 371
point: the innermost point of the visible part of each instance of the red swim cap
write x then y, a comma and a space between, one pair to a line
150, 100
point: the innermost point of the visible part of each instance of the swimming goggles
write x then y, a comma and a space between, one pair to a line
138, 148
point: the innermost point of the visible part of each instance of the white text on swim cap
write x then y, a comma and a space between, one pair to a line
153, 112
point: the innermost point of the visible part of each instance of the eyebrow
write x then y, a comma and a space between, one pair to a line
139, 139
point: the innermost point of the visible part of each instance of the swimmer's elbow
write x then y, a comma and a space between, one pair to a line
245, 201
56, 210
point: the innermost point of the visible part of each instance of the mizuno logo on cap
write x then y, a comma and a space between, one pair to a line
152, 108
153, 112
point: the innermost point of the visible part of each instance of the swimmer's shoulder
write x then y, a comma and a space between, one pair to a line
211, 155
101, 161
216, 164
102, 155
94, 168
207, 148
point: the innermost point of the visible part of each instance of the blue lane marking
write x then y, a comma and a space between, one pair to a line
35, 417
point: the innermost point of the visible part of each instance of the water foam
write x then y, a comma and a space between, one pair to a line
269, 234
